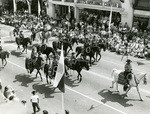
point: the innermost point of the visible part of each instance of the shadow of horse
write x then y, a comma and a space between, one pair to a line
114, 97
43, 89
24, 79
71, 82
17, 54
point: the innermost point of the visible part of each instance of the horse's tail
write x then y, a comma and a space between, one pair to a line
7, 54
112, 73
27, 63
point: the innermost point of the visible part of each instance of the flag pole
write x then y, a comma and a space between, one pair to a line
110, 17
63, 109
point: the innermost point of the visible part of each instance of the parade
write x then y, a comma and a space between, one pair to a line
80, 57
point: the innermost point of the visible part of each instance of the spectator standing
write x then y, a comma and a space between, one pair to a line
35, 102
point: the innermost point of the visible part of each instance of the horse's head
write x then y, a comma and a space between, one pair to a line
43, 47
143, 77
30, 41
86, 65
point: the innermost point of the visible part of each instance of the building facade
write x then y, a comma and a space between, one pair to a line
129, 9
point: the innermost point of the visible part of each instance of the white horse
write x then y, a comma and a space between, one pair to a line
133, 82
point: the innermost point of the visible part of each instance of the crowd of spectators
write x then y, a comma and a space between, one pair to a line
92, 26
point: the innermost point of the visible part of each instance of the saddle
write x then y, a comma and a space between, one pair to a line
121, 79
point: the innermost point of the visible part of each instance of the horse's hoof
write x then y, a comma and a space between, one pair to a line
141, 99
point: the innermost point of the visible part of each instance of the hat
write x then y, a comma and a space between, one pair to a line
128, 61
39, 52
73, 52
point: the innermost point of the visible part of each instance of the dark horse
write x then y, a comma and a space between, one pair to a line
24, 42
45, 50
30, 66
90, 51
3, 56
86, 52
78, 65
66, 45
48, 72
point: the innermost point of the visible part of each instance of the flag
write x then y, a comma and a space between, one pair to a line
110, 17
59, 77
39, 8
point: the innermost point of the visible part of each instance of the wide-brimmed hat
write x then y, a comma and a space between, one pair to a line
128, 61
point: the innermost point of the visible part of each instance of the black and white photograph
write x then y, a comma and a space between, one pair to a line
74, 56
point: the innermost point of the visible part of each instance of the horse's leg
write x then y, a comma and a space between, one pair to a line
2, 63
127, 90
139, 93
5, 62
47, 78
37, 73
40, 75
26, 49
122, 57
80, 77
117, 87
112, 84
23, 49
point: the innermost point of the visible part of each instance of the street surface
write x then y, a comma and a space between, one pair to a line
92, 96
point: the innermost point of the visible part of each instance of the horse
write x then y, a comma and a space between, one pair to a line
66, 45
24, 42
30, 66
45, 35
78, 65
133, 82
46, 50
49, 72
3, 56
88, 51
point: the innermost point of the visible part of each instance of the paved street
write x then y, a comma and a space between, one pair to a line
92, 96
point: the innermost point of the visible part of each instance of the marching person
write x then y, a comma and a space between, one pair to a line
35, 102
127, 73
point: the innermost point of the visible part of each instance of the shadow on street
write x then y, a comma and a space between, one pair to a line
44, 89
114, 97
25, 79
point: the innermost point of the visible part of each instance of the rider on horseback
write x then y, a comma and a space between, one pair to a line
33, 56
127, 72
21, 36
72, 59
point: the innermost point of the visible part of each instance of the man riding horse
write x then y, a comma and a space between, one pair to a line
33, 56
72, 59
127, 73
